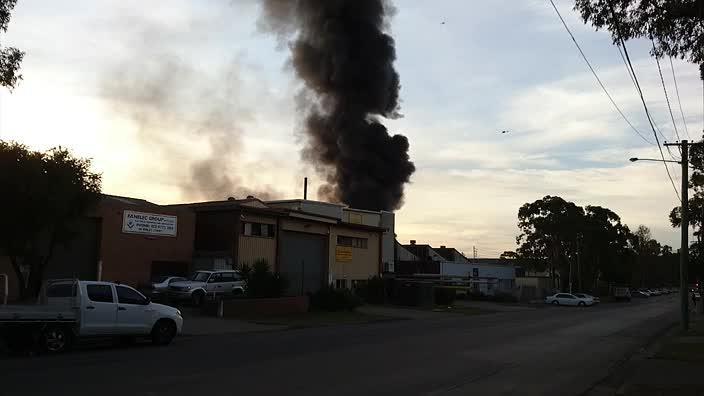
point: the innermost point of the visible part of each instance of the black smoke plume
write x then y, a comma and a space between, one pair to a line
340, 50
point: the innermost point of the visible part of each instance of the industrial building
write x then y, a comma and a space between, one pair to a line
485, 275
311, 243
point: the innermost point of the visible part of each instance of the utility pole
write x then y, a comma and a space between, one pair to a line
684, 228
474, 252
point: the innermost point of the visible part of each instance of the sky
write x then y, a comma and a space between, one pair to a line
152, 91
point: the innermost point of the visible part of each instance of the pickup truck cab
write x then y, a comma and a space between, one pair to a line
71, 309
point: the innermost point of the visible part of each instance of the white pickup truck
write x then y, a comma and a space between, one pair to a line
69, 309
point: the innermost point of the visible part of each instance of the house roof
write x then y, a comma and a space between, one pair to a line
128, 200
421, 251
448, 253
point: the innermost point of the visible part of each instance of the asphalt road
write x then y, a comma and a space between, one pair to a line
550, 351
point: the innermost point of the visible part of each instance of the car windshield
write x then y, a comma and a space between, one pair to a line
200, 276
159, 279
580, 295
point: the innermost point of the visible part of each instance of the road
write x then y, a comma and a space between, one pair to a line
550, 351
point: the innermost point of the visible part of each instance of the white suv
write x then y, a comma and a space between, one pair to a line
204, 284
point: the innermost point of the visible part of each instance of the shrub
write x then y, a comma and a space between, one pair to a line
504, 297
444, 296
330, 299
261, 282
373, 291
476, 295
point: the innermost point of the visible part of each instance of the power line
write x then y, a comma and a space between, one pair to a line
667, 97
596, 76
635, 85
642, 99
677, 91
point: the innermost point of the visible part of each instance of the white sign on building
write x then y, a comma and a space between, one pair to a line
148, 223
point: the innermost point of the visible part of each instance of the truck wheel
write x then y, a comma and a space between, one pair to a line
197, 298
163, 332
55, 339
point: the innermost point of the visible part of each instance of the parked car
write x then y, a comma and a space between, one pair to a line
595, 300
72, 309
639, 294
203, 284
159, 286
647, 292
568, 299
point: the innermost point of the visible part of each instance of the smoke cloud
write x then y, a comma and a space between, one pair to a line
180, 112
340, 50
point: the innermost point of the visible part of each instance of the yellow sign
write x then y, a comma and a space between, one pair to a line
343, 254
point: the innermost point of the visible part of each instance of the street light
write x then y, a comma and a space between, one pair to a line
634, 159
684, 227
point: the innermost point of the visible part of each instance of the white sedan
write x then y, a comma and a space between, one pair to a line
568, 299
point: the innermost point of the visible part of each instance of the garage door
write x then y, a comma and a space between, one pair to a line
303, 261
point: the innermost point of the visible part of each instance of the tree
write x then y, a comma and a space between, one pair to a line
604, 247
549, 229
43, 194
674, 25
696, 211
10, 57
508, 255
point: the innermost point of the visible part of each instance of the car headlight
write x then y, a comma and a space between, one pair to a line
178, 312
188, 288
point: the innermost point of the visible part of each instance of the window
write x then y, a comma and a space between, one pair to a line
172, 280
228, 277
258, 229
475, 272
126, 295
61, 290
99, 293
215, 278
360, 243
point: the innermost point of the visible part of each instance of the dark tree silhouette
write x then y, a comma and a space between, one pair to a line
43, 193
10, 57
676, 26
557, 234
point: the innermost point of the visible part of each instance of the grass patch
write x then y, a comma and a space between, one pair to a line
317, 318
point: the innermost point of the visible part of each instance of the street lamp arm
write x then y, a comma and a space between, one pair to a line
634, 159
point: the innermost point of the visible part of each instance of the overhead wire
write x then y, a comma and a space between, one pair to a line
601, 84
677, 91
642, 99
635, 85
664, 88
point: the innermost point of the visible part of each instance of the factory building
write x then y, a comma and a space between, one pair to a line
311, 243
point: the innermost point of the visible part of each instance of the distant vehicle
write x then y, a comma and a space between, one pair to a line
647, 292
595, 300
568, 299
204, 284
654, 292
639, 294
74, 309
159, 286
622, 294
